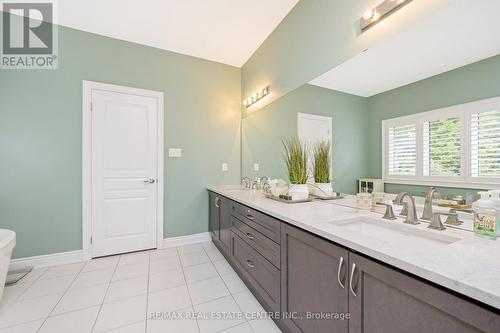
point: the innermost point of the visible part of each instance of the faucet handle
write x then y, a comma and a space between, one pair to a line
453, 217
389, 212
436, 220
245, 181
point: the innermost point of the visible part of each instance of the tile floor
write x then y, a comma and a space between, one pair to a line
119, 294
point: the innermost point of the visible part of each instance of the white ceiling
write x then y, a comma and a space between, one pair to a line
227, 31
457, 34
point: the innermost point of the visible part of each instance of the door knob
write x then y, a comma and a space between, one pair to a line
150, 181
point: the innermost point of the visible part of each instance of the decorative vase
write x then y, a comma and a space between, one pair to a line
298, 191
322, 190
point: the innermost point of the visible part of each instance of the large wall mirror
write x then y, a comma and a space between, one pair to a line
415, 71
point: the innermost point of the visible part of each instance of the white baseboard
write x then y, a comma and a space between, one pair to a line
186, 240
78, 255
47, 260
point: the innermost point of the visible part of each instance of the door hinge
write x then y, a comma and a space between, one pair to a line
90, 239
91, 105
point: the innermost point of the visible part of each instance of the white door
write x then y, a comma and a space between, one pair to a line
124, 163
312, 128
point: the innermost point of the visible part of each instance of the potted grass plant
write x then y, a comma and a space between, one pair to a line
296, 164
322, 169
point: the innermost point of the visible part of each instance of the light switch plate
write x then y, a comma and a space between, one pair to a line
224, 167
174, 152
256, 167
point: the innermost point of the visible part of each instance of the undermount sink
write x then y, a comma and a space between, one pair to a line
395, 232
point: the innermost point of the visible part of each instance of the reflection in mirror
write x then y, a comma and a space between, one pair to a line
308, 112
415, 110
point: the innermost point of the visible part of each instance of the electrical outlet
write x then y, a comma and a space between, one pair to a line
174, 152
224, 167
256, 167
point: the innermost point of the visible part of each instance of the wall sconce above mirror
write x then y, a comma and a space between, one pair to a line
257, 97
375, 15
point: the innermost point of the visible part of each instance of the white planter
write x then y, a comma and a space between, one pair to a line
322, 189
298, 191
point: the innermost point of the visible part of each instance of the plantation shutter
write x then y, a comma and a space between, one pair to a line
402, 148
442, 147
485, 144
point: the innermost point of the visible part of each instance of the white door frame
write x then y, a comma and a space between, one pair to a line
88, 86
303, 116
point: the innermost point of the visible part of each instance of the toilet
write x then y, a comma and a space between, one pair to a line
7, 243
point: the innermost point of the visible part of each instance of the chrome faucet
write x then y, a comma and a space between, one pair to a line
245, 181
411, 216
427, 213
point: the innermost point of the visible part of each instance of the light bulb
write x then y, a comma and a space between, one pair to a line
375, 16
369, 14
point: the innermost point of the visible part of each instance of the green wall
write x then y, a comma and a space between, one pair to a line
263, 130
316, 36
40, 136
470, 83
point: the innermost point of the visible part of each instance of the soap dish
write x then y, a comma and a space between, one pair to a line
331, 197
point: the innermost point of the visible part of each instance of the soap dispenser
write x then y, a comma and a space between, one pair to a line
495, 198
485, 217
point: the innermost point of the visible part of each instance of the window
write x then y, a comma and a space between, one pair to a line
457, 146
402, 150
485, 144
441, 147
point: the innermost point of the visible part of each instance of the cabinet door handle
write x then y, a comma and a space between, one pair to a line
217, 202
249, 235
249, 216
250, 264
350, 280
341, 261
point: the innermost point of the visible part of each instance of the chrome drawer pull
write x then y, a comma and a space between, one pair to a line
217, 202
350, 280
341, 261
250, 264
249, 235
249, 216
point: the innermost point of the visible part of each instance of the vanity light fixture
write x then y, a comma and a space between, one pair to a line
257, 97
375, 15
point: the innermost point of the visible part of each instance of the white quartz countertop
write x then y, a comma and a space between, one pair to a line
470, 265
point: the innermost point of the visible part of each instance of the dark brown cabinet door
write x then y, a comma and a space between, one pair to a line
313, 281
225, 225
384, 300
214, 213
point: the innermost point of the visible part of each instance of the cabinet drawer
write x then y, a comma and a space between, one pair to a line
266, 247
262, 276
263, 223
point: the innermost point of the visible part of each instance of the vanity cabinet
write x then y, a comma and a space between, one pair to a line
315, 283
314, 279
320, 276
219, 222
214, 202
385, 300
